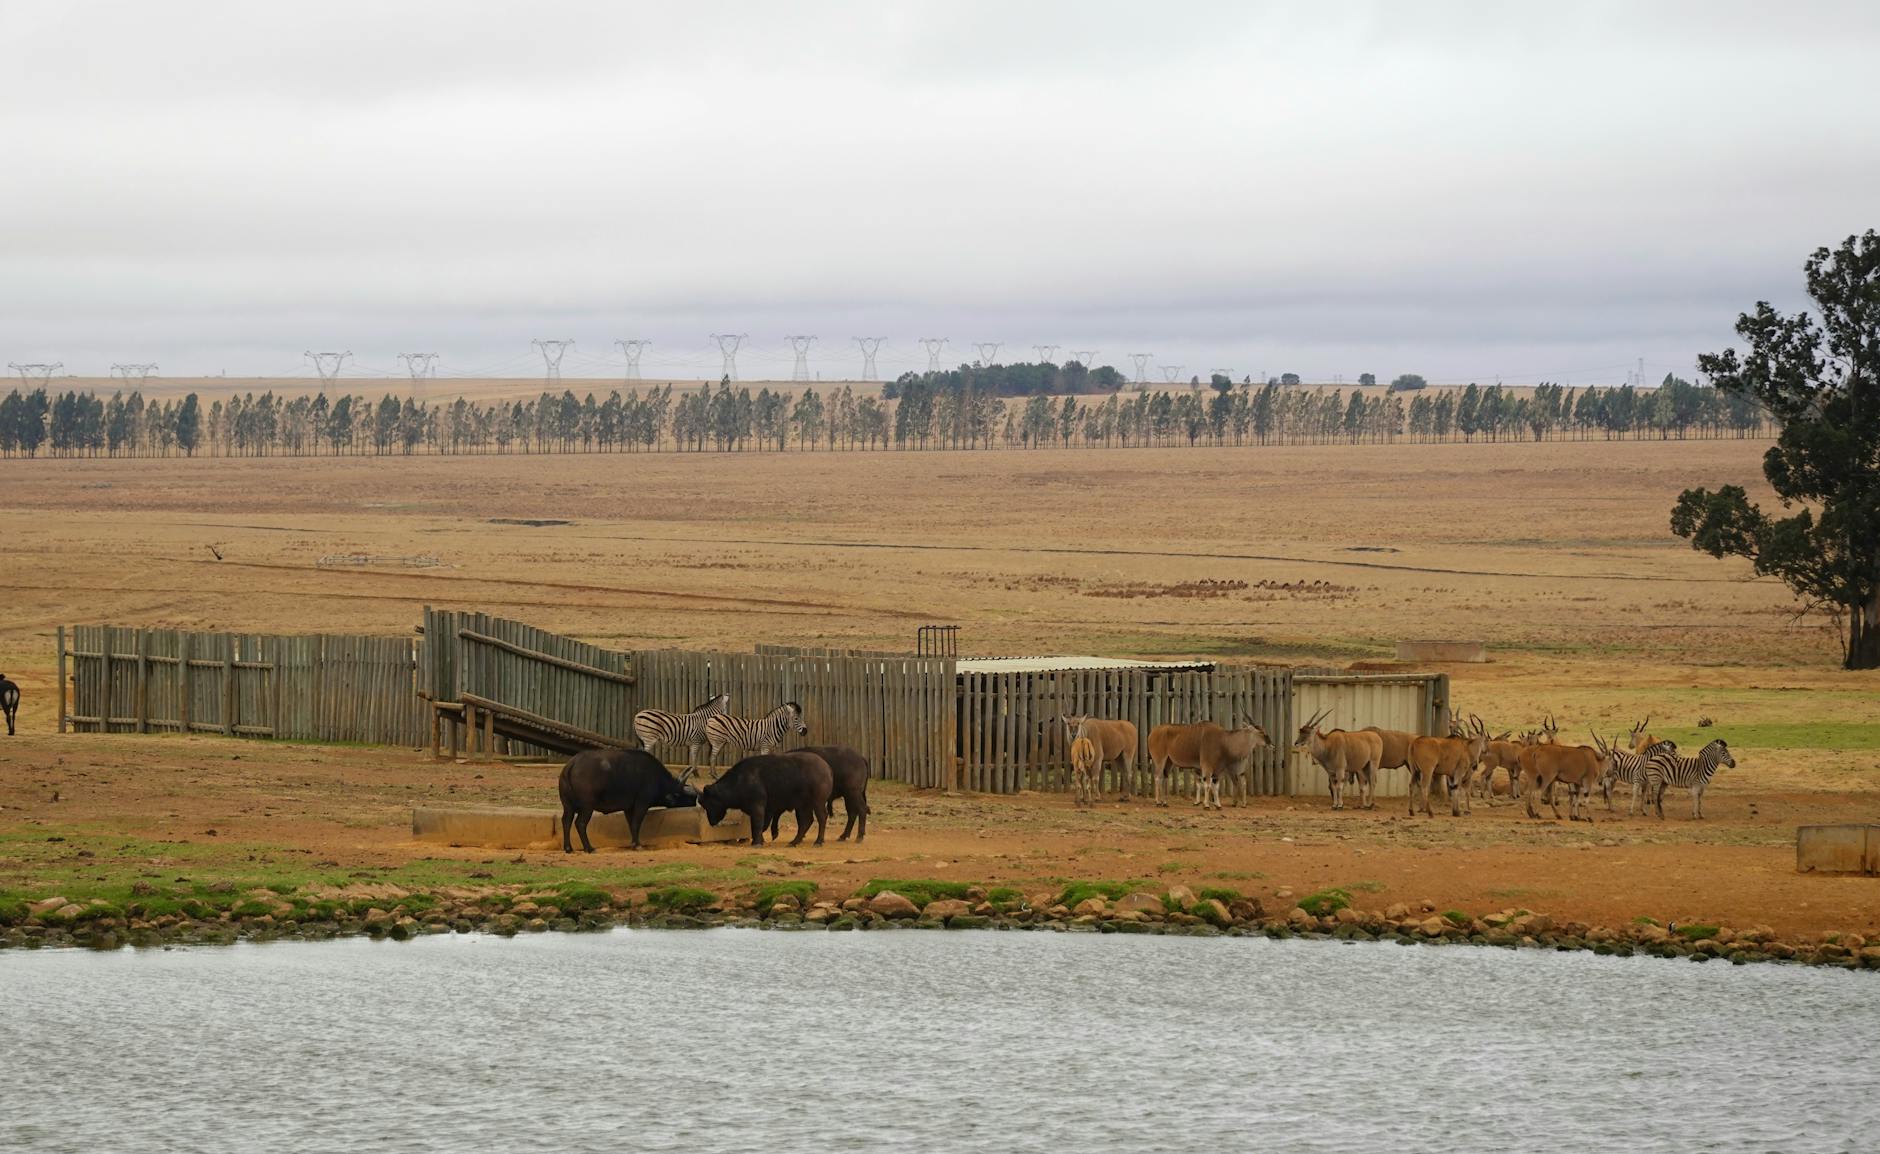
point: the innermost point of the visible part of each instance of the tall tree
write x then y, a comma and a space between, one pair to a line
1820, 378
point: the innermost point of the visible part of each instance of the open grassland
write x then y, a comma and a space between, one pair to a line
1556, 554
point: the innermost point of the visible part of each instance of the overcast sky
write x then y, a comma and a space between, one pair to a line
1469, 191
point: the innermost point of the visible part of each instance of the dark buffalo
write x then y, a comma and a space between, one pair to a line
632, 781
9, 701
851, 785
776, 783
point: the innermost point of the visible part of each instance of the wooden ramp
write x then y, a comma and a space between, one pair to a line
493, 719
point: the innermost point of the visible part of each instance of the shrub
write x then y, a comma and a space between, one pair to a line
1003, 895
1457, 918
1220, 894
251, 908
1697, 933
1325, 902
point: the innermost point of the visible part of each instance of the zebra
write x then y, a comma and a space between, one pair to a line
9, 701
1693, 773
1629, 767
755, 734
657, 727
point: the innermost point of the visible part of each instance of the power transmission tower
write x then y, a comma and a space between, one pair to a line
1171, 373
42, 372
934, 345
988, 351
1084, 357
801, 344
633, 349
551, 357
869, 346
1047, 354
140, 371
328, 365
1142, 366
421, 366
728, 346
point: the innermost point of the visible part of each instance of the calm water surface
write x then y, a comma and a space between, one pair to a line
743, 1040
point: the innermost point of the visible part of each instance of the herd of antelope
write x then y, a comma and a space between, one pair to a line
1466, 762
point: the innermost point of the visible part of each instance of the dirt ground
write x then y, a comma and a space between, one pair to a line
1557, 555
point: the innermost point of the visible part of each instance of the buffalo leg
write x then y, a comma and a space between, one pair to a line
567, 821
636, 817
756, 817
822, 822
580, 827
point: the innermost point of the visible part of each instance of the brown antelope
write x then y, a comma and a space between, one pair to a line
1451, 758
1396, 747
1115, 741
1209, 750
1343, 754
1578, 767
1502, 754
1084, 765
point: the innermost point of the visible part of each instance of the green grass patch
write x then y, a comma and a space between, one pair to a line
579, 897
1325, 902
1239, 876
250, 908
799, 888
1366, 887
920, 891
1004, 895
1457, 918
12, 911
1642, 920
1220, 894
680, 899
1696, 933
1171, 867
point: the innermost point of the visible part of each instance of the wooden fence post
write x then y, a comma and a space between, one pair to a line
61, 686
182, 680
228, 684
143, 681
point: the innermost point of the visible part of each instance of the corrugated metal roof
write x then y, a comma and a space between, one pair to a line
1068, 662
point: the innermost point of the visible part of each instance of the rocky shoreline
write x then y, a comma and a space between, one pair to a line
262, 915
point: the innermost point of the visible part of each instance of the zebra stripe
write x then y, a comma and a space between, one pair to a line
1693, 773
755, 734
656, 727
1629, 767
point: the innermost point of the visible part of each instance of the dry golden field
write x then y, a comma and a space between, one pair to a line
1557, 555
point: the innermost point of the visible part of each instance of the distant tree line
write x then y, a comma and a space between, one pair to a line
930, 411
1042, 379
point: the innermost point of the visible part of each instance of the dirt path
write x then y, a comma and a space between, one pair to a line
100, 812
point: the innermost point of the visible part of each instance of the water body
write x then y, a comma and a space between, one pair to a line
744, 1040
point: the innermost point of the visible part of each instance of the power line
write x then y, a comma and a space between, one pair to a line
41, 371
421, 366
934, 345
869, 346
633, 348
328, 365
1085, 357
728, 348
1142, 366
140, 371
801, 344
1171, 373
988, 351
551, 357
1047, 354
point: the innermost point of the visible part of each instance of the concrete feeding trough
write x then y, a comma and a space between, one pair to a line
541, 828
1467, 652
1838, 849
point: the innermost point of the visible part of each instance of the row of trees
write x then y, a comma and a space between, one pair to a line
1042, 379
937, 410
